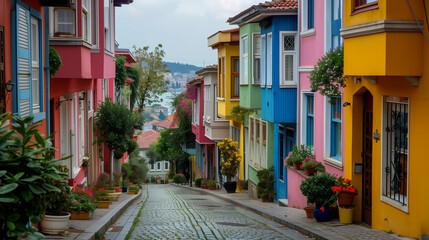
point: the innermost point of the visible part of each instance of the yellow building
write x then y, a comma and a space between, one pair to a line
228, 85
386, 117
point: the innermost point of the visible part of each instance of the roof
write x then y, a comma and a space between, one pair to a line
224, 36
152, 122
196, 80
146, 139
126, 53
208, 68
265, 9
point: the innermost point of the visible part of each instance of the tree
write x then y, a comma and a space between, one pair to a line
134, 74
120, 76
152, 82
138, 166
161, 116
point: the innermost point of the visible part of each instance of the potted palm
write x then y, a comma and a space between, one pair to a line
230, 161
317, 189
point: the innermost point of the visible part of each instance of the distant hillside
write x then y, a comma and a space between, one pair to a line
181, 67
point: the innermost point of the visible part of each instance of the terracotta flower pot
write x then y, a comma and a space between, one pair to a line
79, 216
103, 204
309, 212
345, 199
118, 189
297, 165
310, 171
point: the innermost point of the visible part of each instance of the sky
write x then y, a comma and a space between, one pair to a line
181, 26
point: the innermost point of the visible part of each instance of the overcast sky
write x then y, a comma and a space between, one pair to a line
181, 26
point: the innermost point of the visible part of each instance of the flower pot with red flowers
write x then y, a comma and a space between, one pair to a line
102, 198
298, 155
345, 191
311, 167
212, 185
204, 184
82, 204
85, 161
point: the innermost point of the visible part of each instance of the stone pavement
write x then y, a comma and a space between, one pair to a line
296, 219
176, 213
100, 220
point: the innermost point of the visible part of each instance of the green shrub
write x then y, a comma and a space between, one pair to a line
152, 179
134, 188
211, 183
54, 61
103, 181
317, 189
126, 170
179, 179
266, 183
318, 166
198, 182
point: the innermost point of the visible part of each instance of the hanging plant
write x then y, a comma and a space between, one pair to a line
54, 61
239, 113
327, 76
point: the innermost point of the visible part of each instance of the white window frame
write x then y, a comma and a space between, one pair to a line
55, 12
105, 85
294, 53
257, 148
270, 60
35, 64
305, 31
327, 24
263, 60
383, 198
108, 26
87, 10
81, 140
256, 37
244, 60
327, 134
303, 120
207, 104
152, 167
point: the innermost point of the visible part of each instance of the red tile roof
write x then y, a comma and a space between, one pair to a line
284, 4
274, 5
146, 139
152, 122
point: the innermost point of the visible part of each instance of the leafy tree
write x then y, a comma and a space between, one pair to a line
121, 75
138, 166
27, 170
116, 124
134, 74
161, 116
152, 82
152, 155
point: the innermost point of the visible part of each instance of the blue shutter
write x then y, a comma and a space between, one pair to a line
23, 61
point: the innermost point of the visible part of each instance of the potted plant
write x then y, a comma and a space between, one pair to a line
117, 179
230, 161
204, 184
57, 207
28, 167
125, 184
345, 191
102, 198
212, 185
317, 189
311, 167
85, 161
82, 205
170, 177
298, 155
327, 76
133, 189
103, 181
198, 182
265, 185
309, 210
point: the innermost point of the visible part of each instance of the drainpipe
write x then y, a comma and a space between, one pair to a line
48, 102
298, 90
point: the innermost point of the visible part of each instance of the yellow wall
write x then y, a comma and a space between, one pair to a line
224, 106
416, 221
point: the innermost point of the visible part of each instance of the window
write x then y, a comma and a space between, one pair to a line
308, 15
158, 166
221, 78
256, 78
29, 61
258, 143
310, 120
395, 150
288, 59
269, 60
235, 77
64, 22
208, 108
263, 64
86, 20
196, 107
81, 125
152, 167
105, 85
235, 134
108, 25
2, 73
359, 3
166, 166
282, 150
336, 145
244, 60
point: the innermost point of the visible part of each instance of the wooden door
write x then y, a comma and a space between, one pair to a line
367, 160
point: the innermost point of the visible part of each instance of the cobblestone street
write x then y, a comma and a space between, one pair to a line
175, 213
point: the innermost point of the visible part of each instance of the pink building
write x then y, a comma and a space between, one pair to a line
83, 35
320, 123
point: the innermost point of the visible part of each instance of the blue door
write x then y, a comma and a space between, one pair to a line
335, 23
281, 169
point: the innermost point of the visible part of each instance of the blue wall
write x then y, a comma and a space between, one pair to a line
279, 104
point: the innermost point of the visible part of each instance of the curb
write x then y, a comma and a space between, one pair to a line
290, 223
104, 223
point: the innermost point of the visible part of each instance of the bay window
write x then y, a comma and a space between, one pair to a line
288, 59
244, 60
256, 77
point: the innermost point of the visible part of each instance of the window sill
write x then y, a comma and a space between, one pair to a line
307, 33
299, 172
294, 85
108, 52
394, 204
364, 8
234, 99
39, 117
333, 163
244, 84
220, 99
69, 42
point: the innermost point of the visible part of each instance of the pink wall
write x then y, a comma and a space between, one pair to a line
76, 62
311, 49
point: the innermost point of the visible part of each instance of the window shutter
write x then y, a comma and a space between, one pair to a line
23, 61
2, 67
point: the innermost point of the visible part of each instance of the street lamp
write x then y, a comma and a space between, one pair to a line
9, 86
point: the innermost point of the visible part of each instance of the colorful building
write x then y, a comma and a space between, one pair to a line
24, 61
320, 123
386, 115
255, 152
